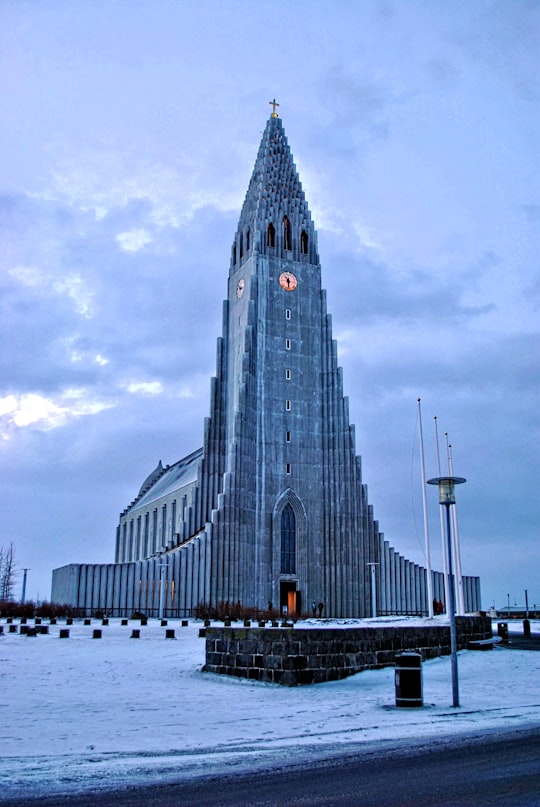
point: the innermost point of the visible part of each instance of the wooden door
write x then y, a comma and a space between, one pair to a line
291, 603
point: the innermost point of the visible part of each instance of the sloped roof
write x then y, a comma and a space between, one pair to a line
177, 476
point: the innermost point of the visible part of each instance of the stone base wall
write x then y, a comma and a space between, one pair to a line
296, 655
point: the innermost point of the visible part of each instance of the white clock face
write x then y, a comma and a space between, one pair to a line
240, 286
288, 281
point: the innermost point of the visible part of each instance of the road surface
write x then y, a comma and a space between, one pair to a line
501, 769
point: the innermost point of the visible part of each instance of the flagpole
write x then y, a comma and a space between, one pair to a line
441, 517
457, 552
426, 527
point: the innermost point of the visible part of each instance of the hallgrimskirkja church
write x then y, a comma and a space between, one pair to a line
272, 510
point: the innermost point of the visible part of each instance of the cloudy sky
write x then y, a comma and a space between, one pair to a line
129, 131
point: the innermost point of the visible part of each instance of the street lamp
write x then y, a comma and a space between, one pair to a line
447, 497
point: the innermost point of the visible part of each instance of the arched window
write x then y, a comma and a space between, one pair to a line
304, 242
248, 240
288, 541
271, 235
287, 237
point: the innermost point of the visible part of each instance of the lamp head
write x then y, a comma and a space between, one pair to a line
446, 487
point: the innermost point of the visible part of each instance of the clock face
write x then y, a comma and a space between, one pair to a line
240, 287
288, 281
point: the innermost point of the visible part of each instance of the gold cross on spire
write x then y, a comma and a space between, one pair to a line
274, 104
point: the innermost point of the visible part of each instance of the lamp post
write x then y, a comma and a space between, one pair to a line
162, 565
447, 498
23, 595
373, 588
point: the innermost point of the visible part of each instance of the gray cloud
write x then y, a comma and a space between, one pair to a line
118, 205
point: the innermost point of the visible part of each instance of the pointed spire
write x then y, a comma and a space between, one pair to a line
275, 218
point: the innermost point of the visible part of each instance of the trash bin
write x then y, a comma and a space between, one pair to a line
526, 627
502, 630
408, 679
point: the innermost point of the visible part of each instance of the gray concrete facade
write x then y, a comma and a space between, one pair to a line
272, 509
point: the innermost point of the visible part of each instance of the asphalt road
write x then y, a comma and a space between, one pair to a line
489, 769
517, 641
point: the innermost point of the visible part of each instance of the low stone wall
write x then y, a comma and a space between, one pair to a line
302, 655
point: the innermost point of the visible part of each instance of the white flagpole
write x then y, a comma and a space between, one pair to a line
426, 527
441, 516
457, 553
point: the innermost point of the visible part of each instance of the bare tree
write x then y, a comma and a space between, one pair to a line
7, 573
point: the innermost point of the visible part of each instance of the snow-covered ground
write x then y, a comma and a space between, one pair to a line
82, 714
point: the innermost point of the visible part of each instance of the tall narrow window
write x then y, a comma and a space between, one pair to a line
271, 235
248, 239
288, 467
154, 532
173, 518
124, 542
288, 375
288, 541
288, 437
304, 242
287, 237
287, 313
146, 534
130, 556
288, 406
234, 254
287, 344
138, 544
241, 246
164, 525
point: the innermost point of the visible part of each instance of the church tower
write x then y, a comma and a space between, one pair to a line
271, 509
292, 524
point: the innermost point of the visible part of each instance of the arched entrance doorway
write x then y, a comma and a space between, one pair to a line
289, 597
289, 548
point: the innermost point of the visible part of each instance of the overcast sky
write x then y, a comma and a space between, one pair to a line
129, 132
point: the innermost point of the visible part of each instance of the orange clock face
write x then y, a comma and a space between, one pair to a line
288, 281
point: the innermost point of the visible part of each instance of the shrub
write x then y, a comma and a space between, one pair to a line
224, 610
